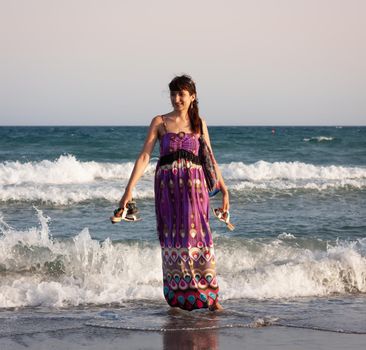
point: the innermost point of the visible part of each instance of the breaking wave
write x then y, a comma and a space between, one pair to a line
37, 269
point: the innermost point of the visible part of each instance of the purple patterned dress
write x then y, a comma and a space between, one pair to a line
182, 214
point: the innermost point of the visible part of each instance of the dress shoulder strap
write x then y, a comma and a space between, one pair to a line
164, 123
201, 127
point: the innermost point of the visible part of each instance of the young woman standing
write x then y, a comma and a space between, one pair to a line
182, 201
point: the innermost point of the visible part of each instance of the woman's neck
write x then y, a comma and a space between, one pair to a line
183, 115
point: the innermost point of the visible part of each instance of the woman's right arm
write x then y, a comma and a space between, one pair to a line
142, 160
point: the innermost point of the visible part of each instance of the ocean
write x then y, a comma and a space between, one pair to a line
297, 257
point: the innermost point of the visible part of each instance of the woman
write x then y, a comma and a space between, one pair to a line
182, 201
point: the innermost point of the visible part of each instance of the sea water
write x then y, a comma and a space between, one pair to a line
296, 258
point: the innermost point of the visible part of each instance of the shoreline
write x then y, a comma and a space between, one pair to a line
272, 337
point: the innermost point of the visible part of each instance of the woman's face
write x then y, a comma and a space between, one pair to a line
181, 100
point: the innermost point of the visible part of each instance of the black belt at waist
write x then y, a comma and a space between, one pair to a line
180, 154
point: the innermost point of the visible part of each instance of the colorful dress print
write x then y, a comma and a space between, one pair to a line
182, 213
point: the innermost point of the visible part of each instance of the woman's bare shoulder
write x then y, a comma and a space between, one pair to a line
157, 125
156, 120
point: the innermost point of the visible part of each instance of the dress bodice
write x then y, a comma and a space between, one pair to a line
171, 142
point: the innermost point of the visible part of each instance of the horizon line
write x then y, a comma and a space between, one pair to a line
211, 125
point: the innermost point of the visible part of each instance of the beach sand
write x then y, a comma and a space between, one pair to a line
235, 338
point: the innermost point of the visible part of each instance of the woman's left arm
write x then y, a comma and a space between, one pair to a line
224, 190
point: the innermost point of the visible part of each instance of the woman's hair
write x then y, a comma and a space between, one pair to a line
185, 82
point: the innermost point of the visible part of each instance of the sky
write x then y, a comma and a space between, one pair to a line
109, 62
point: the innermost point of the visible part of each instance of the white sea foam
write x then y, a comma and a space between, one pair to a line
262, 170
319, 138
285, 235
69, 194
68, 180
64, 170
277, 270
292, 175
39, 270
288, 186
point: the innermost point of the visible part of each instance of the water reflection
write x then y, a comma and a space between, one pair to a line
187, 332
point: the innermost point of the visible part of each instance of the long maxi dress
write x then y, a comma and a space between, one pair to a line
182, 215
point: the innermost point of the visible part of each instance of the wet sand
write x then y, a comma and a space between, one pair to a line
273, 337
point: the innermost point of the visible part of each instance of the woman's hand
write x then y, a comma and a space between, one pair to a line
127, 196
225, 199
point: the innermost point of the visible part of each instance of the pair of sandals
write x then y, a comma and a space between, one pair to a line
223, 216
129, 213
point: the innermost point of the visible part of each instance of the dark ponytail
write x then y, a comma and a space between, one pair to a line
185, 82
